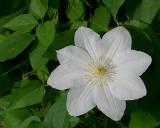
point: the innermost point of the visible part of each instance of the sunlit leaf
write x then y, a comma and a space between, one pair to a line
146, 10
37, 9
45, 34
75, 9
142, 119
13, 45
22, 23
14, 118
58, 111
29, 95
100, 19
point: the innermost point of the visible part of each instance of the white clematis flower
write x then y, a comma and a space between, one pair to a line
100, 72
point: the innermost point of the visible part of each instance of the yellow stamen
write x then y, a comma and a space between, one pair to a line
99, 71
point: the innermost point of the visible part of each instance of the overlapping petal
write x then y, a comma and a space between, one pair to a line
132, 61
114, 41
73, 57
80, 100
127, 87
109, 104
87, 39
62, 78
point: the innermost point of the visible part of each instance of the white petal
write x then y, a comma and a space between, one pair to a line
127, 87
114, 41
87, 39
132, 61
61, 78
80, 100
108, 104
73, 57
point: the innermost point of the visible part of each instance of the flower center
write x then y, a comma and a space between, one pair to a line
100, 71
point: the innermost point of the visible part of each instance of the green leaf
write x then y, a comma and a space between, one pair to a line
100, 19
63, 39
131, 6
142, 119
5, 101
57, 111
37, 59
146, 10
14, 118
29, 120
22, 23
37, 9
75, 9
2, 37
45, 3
141, 36
45, 34
77, 24
6, 19
20, 118
29, 95
35, 125
137, 24
42, 74
74, 121
113, 6
13, 45
57, 116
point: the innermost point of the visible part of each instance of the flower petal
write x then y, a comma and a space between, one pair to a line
61, 78
132, 61
127, 87
73, 57
108, 104
80, 100
114, 41
86, 38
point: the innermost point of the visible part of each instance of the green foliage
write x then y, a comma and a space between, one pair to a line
31, 94
30, 33
100, 19
22, 23
113, 6
146, 10
140, 119
14, 44
58, 111
14, 118
45, 34
37, 9
61, 40
75, 9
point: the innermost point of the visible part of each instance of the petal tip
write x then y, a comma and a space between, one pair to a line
57, 51
49, 81
149, 59
122, 29
71, 113
82, 27
116, 117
